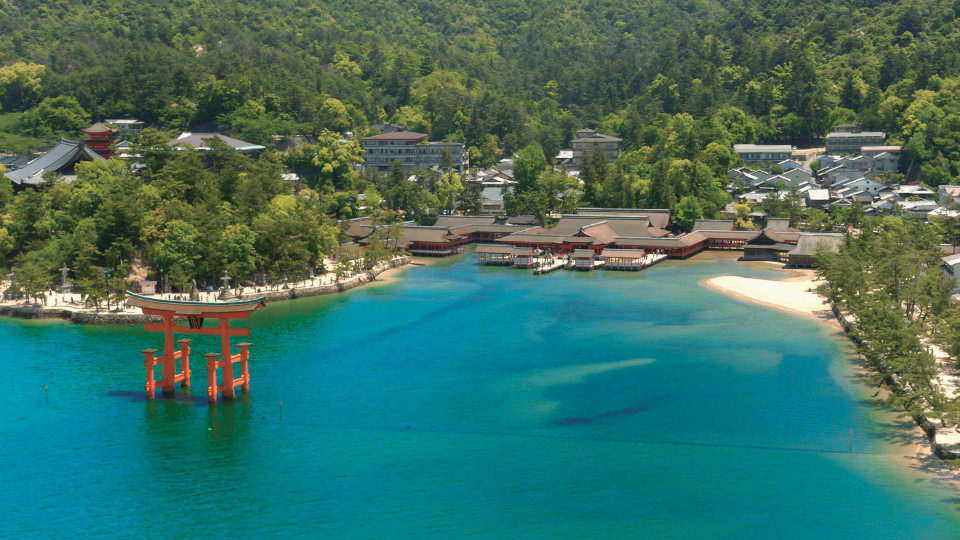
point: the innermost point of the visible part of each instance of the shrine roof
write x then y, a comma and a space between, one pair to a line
58, 157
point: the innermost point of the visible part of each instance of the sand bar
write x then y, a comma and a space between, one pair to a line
796, 293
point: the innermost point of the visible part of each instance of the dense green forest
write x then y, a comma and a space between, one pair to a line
679, 81
189, 215
495, 74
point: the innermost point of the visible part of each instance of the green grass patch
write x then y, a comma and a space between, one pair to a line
11, 140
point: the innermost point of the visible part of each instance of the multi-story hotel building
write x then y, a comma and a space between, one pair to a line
412, 150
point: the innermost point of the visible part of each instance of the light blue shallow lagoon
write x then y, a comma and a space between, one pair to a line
460, 401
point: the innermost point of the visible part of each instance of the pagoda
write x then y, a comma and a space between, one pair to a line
101, 139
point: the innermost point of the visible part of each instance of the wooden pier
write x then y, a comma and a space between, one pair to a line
547, 265
544, 262
654, 258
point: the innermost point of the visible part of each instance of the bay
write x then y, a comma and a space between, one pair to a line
459, 401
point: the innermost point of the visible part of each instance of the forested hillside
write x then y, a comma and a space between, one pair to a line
521, 71
679, 81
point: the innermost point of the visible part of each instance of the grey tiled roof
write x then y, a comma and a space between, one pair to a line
809, 242
622, 253
488, 248
64, 153
200, 141
459, 221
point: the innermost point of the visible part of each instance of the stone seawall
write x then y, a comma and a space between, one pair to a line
928, 427
106, 317
79, 317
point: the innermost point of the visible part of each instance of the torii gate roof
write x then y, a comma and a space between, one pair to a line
187, 307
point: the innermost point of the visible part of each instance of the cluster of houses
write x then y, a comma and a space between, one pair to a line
614, 238
394, 144
494, 182
838, 181
855, 177
110, 138
499, 179
844, 181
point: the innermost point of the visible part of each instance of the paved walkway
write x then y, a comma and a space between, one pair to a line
948, 381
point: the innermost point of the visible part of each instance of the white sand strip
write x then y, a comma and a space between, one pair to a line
796, 294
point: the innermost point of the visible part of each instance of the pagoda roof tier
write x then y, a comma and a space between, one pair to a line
99, 127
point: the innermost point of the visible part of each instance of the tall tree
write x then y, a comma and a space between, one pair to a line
527, 167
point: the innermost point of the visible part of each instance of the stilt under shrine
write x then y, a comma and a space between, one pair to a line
195, 313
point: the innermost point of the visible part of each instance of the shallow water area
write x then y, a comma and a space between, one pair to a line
459, 401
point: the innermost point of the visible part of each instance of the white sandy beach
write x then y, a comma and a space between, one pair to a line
795, 293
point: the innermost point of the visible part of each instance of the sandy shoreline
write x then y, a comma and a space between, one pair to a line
797, 294
391, 275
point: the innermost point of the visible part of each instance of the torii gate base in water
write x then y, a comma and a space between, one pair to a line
195, 313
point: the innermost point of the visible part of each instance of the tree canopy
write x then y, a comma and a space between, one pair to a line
498, 78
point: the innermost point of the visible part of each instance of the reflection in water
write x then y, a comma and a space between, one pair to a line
162, 410
229, 420
573, 420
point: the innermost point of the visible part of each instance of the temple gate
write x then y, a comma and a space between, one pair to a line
195, 313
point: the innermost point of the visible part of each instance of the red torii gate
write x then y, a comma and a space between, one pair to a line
196, 312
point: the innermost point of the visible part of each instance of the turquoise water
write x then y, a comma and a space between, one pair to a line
466, 402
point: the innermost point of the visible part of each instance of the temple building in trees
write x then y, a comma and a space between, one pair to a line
615, 238
59, 159
204, 143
